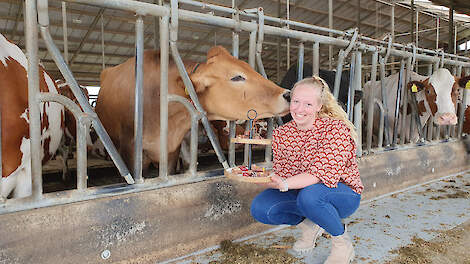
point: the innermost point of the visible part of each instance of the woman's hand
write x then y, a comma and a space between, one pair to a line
275, 182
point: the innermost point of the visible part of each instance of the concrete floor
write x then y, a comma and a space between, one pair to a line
380, 225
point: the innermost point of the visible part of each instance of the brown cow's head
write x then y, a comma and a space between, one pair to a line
228, 88
437, 95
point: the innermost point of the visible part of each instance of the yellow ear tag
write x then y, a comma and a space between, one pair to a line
467, 85
414, 88
186, 91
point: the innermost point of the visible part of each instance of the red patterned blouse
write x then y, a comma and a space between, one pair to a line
326, 151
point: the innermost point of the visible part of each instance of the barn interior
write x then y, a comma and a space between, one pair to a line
92, 38
96, 38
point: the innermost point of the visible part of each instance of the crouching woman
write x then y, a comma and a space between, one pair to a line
315, 181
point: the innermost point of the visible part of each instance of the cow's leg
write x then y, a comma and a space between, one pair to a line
173, 160
22, 182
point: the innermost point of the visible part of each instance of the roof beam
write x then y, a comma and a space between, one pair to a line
82, 42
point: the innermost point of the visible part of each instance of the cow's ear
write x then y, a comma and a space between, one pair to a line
217, 51
199, 83
415, 86
464, 82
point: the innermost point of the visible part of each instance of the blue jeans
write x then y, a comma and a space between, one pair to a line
322, 205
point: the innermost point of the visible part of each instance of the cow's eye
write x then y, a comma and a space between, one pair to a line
238, 78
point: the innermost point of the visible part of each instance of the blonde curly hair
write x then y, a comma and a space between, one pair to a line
330, 107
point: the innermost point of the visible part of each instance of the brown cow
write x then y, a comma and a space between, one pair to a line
16, 155
227, 88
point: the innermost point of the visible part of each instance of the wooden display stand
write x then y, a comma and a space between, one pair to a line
242, 174
250, 173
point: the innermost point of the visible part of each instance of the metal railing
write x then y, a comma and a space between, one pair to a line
168, 41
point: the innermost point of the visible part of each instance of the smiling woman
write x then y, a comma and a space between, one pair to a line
315, 181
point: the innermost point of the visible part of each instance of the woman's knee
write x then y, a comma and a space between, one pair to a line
310, 196
260, 206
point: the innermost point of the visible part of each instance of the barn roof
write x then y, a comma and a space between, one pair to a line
85, 38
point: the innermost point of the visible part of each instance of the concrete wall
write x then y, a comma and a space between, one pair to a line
154, 225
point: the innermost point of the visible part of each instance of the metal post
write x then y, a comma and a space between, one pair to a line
102, 41
370, 106
397, 103
232, 125
64, 30
31, 29
358, 107
412, 11
330, 26
138, 100
437, 32
252, 62
300, 62
83, 125
164, 59
451, 29
288, 39
316, 59
406, 79
352, 87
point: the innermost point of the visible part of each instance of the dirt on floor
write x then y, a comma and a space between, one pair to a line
241, 253
449, 247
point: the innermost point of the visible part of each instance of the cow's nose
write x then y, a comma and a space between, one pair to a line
286, 96
447, 119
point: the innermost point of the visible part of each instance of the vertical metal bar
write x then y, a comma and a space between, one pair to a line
316, 59
164, 59
138, 100
462, 107
451, 29
397, 103
404, 114
412, 11
358, 107
252, 49
462, 111
384, 100
250, 127
232, 125
381, 123
392, 33
288, 39
83, 125
352, 87
64, 32
300, 62
371, 95
31, 28
252, 62
417, 27
193, 146
330, 26
231, 150
392, 22
102, 42
268, 152
156, 33
437, 32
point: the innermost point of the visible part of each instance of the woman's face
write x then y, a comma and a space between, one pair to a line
304, 105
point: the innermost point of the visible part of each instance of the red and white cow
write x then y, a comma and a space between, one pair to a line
436, 96
16, 155
226, 87
465, 82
